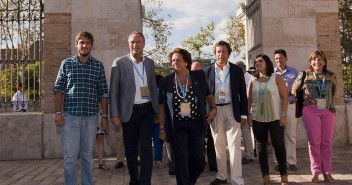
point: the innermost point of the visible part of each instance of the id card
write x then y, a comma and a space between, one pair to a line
185, 109
221, 97
144, 92
321, 103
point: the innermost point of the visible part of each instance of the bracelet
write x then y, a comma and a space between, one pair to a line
161, 131
214, 108
104, 115
283, 115
58, 112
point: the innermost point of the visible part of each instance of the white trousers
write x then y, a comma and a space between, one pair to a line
248, 140
224, 129
290, 136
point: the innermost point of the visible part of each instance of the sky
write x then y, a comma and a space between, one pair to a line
189, 15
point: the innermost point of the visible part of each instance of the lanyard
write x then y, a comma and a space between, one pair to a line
183, 91
139, 74
222, 82
322, 85
262, 91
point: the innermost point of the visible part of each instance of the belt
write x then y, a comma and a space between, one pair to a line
142, 104
222, 104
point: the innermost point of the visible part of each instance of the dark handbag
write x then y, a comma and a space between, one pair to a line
299, 98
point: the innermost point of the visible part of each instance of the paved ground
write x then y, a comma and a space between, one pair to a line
50, 172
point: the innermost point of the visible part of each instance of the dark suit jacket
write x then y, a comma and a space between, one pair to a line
238, 89
123, 87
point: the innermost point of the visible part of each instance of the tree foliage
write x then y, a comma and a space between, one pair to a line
157, 24
345, 18
204, 38
235, 32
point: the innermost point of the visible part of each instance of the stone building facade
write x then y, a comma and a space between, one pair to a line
300, 27
33, 135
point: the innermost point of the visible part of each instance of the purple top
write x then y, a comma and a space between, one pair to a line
289, 75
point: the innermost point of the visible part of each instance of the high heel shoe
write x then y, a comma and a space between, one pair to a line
315, 179
266, 180
328, 178
103, 167
284, 180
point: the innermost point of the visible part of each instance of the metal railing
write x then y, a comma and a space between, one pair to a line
21, 56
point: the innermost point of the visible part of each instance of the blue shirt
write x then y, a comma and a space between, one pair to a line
289, 75
83, 85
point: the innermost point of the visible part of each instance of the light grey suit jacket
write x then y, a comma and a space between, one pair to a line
123, 87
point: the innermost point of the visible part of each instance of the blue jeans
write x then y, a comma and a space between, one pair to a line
78, 135
158, 143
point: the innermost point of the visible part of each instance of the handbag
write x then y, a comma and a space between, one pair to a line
299, 98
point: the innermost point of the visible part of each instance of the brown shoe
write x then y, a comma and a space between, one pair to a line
315, 179
328, 178
284, 180
266, 180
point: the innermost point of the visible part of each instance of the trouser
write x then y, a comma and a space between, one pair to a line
78, 135
320, 125
260, 130
188, 143
247, 141
120, 148
290, 136
226, 128
158, 143
137, 133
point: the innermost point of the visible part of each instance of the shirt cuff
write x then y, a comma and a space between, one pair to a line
243, 116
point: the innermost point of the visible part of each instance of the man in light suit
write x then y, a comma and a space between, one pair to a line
133, 102
227, 84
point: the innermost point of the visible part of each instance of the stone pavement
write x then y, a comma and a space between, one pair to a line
50, 172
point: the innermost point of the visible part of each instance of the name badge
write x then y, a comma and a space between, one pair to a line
321, 103
144, 92
185, 109
221, 97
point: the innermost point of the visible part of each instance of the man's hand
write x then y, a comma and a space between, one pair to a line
116, 120
59, 119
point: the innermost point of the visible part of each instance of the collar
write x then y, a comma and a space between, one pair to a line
276, 69
226, 67
134, 60
89, 59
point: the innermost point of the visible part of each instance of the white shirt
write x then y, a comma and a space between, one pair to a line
247, 77
19, 101
222, 84
138, 80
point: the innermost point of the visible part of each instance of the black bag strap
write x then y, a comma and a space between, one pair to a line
303, 77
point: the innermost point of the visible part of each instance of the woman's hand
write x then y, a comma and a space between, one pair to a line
249, 120
283, 121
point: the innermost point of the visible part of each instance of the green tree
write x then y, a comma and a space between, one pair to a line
345, 17
204, 38
158, 26
235, 32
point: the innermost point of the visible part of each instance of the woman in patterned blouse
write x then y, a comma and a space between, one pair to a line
183, 96
318, 114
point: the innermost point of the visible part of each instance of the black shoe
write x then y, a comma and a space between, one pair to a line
246, 161
119, 165
218, 181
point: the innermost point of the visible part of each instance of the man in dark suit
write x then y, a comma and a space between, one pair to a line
227, 84
133, 102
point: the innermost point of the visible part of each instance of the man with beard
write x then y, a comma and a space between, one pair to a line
81, 81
